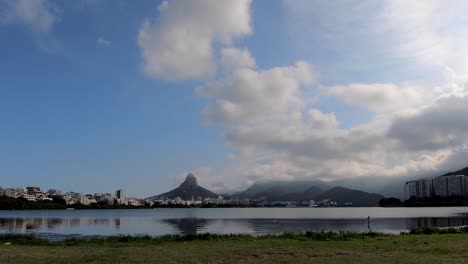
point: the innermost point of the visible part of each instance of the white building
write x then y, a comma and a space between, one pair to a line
29, 197
14, 192
121, 196
54, 192
178, 200
451, 185
422, 188
87, 200
411, 189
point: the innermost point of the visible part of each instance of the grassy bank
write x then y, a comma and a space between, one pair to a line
424, 246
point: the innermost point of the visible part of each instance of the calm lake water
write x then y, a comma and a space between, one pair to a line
156, 222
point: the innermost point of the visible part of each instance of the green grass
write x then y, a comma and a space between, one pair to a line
312, 247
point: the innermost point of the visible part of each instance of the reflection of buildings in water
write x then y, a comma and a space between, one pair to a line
74, 222
437, 221
259, 226
187, 225
11, 224
34, 223
54, 223
117, 223
20, 224
98, 221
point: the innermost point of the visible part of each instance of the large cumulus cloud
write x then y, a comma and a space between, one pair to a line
279, 132
442, 124
179, 44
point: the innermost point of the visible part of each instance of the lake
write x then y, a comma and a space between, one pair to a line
256, 221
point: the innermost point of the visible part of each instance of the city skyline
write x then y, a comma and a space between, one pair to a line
103, 94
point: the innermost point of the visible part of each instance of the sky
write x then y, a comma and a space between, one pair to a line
98, 95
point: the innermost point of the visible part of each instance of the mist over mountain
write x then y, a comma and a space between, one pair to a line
309, 190
281, 187
310, 194
355, 197
358, 191
187, 190
388, 187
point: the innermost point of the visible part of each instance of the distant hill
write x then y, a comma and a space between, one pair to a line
310, 194
344, 195
308, 190
460, 172
276, 189
188, 189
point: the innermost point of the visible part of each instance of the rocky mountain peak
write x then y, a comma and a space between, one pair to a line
190, 180
188, 190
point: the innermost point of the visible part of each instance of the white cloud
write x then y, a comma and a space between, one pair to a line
103, 41
439, 125
277, 131
433, 32
381, 98
163, 5
179, 44
233, 59
323, 121
404, 40
38, 15
248, 94
426, 140
415, 129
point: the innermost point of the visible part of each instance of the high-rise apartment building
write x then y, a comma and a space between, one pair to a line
444, 186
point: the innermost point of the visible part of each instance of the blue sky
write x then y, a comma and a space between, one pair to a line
89, 102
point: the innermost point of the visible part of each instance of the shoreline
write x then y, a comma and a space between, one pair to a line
424, 245
35, 239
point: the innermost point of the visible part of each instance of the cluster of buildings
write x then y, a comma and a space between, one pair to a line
219, 201
35, 194
443, 186
29, 193
310, 203
239, 202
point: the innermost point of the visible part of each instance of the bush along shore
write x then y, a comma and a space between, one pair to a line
422, 245
32, 239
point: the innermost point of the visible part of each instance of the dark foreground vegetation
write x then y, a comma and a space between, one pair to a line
424, 245
8, 203
436, 201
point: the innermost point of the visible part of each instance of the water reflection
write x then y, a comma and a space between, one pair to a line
20, 225
188, 225
437, 221
271, 226
156, 223
117, 223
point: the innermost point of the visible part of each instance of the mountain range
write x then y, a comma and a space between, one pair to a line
277, 191
459, 172
303, 190
299, 191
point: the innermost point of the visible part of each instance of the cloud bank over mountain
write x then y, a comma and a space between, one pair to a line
273, 117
